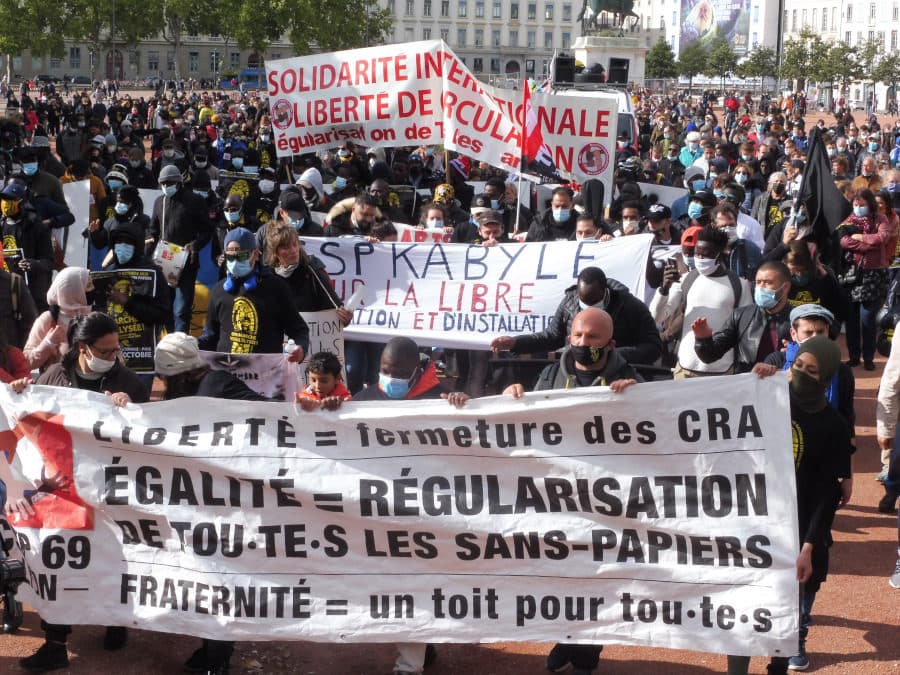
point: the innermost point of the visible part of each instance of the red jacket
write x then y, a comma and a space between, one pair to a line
16, 365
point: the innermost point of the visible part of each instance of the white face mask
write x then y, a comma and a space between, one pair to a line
285, 270
96, 364
706, 266
630, 226
731, 232
266, 186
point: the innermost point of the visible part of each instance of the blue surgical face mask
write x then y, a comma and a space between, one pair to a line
694, 210
861, 211
495, 204
114, 184
693, 147
121, 208
873, 147
712, 175
760, 127
202, 193
30, 168
393, 387
170, 190
264, 138
698, 184
251, 169
298, 224
561, 215
765, 298
237, 162
740, 178
689, 261
239, 268
124, 252
340, 183
232, 216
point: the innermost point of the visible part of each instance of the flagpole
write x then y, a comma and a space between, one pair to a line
521, 157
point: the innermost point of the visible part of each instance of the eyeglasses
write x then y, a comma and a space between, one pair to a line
240, 256
104, 353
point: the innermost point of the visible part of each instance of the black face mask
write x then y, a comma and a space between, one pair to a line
589, 356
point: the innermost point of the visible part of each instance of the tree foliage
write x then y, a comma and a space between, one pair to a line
888, 70
330, 26
692, 61
721, 60
37, 25
660, 61
761, 62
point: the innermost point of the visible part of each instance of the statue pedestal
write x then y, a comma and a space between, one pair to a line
624, 56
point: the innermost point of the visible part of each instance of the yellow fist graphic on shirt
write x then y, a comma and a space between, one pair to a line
244, 326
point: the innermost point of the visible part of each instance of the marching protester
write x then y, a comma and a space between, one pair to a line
67, 300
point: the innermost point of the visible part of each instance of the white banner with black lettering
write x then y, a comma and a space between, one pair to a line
461, 295
580, 515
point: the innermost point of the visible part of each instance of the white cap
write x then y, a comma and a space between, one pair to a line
177, 353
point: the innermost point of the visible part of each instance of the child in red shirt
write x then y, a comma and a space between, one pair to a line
326, 388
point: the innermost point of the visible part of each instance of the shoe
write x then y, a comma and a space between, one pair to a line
430, 656
894, 581
869, 365
51, 656
558, 660
852, 362
197, 662
115, 638
800, 661
882, 474
886, 505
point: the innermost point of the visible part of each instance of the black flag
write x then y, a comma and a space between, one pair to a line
825, 205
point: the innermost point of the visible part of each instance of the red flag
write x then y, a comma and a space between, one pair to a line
536, 155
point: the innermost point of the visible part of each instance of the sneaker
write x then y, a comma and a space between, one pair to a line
869, 365
51, 656
115, 638
886, 505
882, 474
800, 661
852, 362
558, 660
894, 581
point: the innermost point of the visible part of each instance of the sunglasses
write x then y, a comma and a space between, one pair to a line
240, 256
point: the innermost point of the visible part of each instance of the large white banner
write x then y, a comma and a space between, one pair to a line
401, 94
78, 199
580, 131
460, 295
573, 516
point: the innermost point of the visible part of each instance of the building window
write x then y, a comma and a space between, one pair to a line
565, 40
55, 62
514, 11
462, 10
497, 10
426, 33
134, 59
824, 19
461, 37
871, 10
215, 60
675, 17
477, 65
495, 65
532, 39
234, 60
567, 13
495, 38
548, 39
529, 66
847, 38
755, 40
803, 19
426, 8
479, 37
871, 36
548, 11
194, 62
410, 7
445, 34
794, 20
532, 11
849, 12
409, 34
833, 18
170, 60
479, 9
893, 40
445, 8
896, 13
391, 7
815, 17
754, 16
513, 38
75, 57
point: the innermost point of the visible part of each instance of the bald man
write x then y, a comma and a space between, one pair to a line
591, 359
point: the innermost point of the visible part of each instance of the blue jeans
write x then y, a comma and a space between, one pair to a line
363, 361
183, 299
862, 320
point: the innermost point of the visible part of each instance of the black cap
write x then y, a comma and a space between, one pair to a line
659, 212
292, 203
705, 197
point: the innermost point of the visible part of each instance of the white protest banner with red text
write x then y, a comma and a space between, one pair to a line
420, 234
402, 94
462, 295
580, 132
576, 516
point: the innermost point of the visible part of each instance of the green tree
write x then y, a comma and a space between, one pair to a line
692, 62
795, 60
660, 61
35, 25
256, 25
187, 17
888, 70
721, 60
325, 25
92, 22
761, 62
843, 61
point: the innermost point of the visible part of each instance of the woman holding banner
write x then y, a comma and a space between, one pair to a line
92, 363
